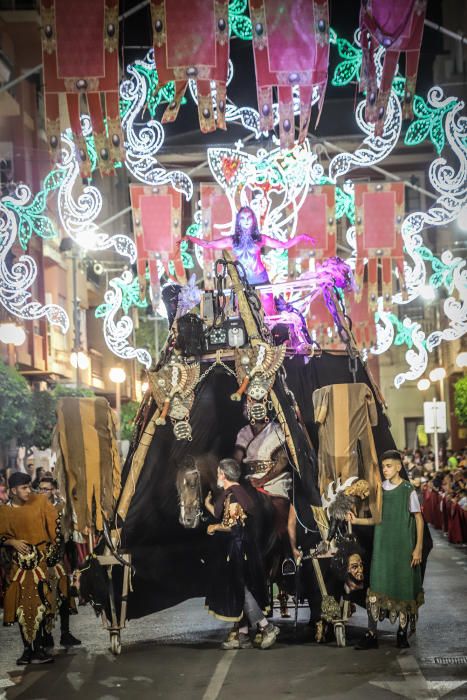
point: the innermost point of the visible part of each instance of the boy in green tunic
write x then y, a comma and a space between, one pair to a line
395, 577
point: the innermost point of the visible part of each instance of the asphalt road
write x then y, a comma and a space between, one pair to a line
175, 654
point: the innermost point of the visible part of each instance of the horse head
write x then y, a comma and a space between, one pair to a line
195, 477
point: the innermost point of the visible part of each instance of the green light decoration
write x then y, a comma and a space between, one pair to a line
130, 297
348, 69
428, 122
156, 95
239, 22
403, 334
31, 217
443, 274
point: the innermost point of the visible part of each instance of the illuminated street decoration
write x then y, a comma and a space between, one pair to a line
437, 117
118, 330
143, 142
239, 22
16, 278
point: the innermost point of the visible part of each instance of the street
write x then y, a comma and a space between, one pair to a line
175, 654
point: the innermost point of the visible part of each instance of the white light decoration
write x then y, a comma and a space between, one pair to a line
117, 375
79, 208
427, 292
142, 142
437, 374
462, 219
461, 360
423, 384
117, 332
78, 215
79, 360
16, 278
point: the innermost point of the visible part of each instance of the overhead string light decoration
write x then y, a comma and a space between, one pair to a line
17, 278
290, 52
196, 48
80, 59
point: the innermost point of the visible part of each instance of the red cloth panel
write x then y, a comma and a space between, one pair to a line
83, 21
156, 220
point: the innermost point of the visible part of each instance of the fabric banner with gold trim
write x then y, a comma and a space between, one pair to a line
80, 58
379, 212
157, 226
191, 42
396, 25
316, 217
216, 222
291, 51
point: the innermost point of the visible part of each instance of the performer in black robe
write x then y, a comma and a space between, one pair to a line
238, 590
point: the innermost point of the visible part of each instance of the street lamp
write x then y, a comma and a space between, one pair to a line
118, 376
67, 245
79, 360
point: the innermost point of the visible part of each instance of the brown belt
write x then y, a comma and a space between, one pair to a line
258, 466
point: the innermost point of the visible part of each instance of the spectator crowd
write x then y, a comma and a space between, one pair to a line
442, 492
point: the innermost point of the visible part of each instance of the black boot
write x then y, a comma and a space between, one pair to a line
368, 641
67, 640
401, 639
48, 641
40, 656
25, 657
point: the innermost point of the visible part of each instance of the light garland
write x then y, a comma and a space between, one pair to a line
17, 278
117, 331
437, 118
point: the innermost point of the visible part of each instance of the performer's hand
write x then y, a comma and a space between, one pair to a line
212, 529
208, 500
350, 517
416, 557
21, 546
297, 555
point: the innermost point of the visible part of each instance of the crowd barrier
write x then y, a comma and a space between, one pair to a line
445, 515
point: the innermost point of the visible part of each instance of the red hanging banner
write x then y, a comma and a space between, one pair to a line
379, 212
191, 42
216, 222
363, 320
291, 50
396, 25
80, 58
316, 217
157, 226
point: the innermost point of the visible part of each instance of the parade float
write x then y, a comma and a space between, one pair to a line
259, 322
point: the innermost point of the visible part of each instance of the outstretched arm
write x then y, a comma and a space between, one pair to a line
285, 245
216, 244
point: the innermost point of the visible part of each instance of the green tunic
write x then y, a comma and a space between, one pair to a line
395, 586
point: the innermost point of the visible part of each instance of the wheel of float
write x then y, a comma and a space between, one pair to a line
339, 631
115, 643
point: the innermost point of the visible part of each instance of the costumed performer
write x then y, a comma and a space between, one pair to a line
28, 524
238, 583
246, 243
395, 576
260, 448
59, 580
